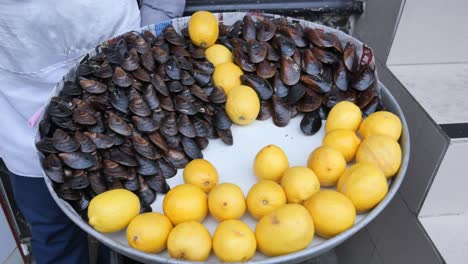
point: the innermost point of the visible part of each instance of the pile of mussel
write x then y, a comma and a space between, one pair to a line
293, 70
145, 105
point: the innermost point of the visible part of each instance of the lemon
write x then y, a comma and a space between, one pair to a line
328, 164
218, 54
364, 184
382, 151
381, 123
226, 201
270, 163
299, 184
344, 115
189, 241
201, 173
148, 232
264, 197
234, 241
185, 202
242, 105
345, 141
333, 212
203, 29
111, 211
227, 76
285, 230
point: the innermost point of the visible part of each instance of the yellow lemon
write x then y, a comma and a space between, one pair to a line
299, 184
345, 141
333, 212
185, 202
382, 151
242, 105
227, 76
234, 241
264, 197
218, 54
111, 211
344, 115
189, 241
328, 164
364, 184
285, 230
148, 232
203, 29
270, 163
226, 201
201, 173
381, 123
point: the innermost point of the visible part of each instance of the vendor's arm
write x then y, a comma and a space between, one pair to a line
154, 11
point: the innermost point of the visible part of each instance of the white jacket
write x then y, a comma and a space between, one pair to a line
40, 41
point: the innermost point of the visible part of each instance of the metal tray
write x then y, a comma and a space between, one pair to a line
234, 164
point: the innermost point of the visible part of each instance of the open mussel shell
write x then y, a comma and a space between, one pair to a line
225, 135
145, 193
166, 169
257, 50
78, 160
265, 110
145, 124
266, 30
64, 142
160, 54
248, 28
281, 112
157, 183
341, 77
171, 35
310, 64
92, 86
86, 144
266, 69
311, 123
294, 34
159, 85
101, 141
286, 46
296, 92
45, 145
242, 60
309, 102
118, 125
364, 78
53, 168
260, 85
290, 71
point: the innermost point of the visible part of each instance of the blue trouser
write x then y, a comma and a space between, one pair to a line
55, 238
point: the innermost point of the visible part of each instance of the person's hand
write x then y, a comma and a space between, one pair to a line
155, 11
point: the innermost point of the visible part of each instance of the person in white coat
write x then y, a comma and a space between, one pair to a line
40, 41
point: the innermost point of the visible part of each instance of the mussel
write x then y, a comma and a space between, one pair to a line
118, 125
78, 160
144, 147
350, 57
311, 123
101, 141
281, 112
266, 69
53, 168
64, 142
86, 144
145, 124
290, 71
146, 166
266, 30
121, 78
122, 158
248, 28
364, 78
157, 183
265, 110
257, 50
92, 86
260, 85
242, 60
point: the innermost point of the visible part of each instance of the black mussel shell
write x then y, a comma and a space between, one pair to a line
311, 123
279, 88
323, 112
172, 141
364, 78
179, 51
53, 168
103, 71
325, 56
67, 193
317, 83
119, 100
171, 35
201, 78
78, 160
203, 66
281, 112
157, 183
341, 77
60, 107
150, 97
102, 141
175, 86
145, 124
290, 71
235, 29
130, 60
160, 54
64, 142
260, 85
146, 167
92, 86
83, 117
145, 193
158, 115
142, 75
144, 148
266, 69
64, 122
221, 120
186, 127
272, 55
45, 127
248, 28
184, 106
99, 127
217, 96
239, 44
185, 92
294, 34
97, 182
225, 136
200, 93
265, 110
131, 184
177, 158
118, 125
149, 37
159, 85
115, 184
242, 60
285, 45
202, 142
185, 64
365, 97
296, 92
266, 30
373, 106
166, 103
78, 180
147, 60
186, 79
166, 169
350, 57
309, 102
72, 88
336, 42
191, 148
318, 38
257, 51
114, 170
297, 57
336, 95
172, 69
310, 64
198, 53
86, 144
122, 158
145, 208
158, 140
200, 127
138, 106
169, 124
141, 46
45, 145
118, 139
84, 69
98, 102
121, 78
